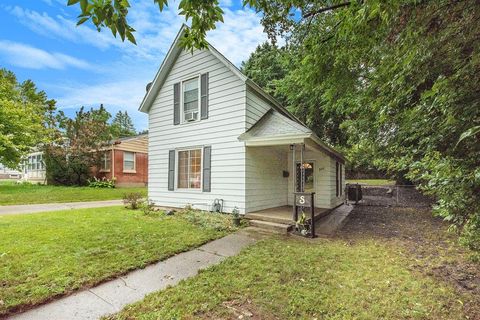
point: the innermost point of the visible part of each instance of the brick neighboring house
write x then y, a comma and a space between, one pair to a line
130, 161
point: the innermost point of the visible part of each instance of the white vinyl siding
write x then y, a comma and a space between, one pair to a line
256, 108
266, 186
334, 200
226, 121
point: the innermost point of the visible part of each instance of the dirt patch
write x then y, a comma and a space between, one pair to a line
425, 241
238, 309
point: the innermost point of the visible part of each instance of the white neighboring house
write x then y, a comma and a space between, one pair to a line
215, 134
7, 173
34, 169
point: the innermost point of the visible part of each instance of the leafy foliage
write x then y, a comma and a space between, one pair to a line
76, 145
113, 14
133, 200
122, 125
395, 86
101, 183
266, 66
208, 220
23, 114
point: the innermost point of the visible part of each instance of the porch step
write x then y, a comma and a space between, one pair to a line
268, 218
271, 226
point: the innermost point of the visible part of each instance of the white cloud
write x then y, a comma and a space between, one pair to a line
124, 95
128, 93
25, 56
60, 27
239, 35
120, 81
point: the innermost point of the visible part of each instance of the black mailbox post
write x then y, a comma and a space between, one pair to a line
305, 200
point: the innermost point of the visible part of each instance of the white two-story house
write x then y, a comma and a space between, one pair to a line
215, 134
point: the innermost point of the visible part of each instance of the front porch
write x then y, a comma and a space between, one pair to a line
283, 215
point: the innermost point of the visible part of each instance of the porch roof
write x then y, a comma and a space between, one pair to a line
275, 129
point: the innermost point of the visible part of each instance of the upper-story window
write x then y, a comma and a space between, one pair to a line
191, 99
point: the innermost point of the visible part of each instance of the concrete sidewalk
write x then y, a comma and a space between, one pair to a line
329, 224
112, 296
35, 208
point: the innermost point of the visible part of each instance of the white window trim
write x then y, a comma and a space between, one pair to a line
134, 162
314, 174
104, 160
182, 107
201, 169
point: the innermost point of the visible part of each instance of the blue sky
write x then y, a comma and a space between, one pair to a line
78, 66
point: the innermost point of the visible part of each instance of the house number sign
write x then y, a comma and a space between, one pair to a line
303, 199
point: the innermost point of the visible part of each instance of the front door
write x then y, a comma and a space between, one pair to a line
309, 180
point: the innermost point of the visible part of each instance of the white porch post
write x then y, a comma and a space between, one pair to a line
302, 169
294, 166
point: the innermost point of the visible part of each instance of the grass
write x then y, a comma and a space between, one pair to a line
296, 279
373, 182
49, 254
13, 194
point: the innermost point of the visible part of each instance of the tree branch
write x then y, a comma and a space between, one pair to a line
325, 9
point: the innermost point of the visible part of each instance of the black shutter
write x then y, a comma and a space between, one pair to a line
176, 103
336, 177
171, 170
207, 161
204, 96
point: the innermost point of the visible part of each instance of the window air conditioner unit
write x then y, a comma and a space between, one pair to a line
190, 116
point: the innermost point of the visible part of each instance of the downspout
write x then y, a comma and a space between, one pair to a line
113, 162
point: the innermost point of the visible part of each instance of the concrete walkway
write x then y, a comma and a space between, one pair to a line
328, 225
112, 296
35, 208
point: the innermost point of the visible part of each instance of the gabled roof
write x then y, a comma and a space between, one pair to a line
169, 61
273, 124
274, 128
277, 122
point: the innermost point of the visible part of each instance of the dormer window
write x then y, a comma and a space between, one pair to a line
191, 100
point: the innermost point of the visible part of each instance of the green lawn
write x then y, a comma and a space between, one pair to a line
297, 279
11, 193
47, 254
373, 182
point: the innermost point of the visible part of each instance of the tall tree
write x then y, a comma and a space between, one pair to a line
122, 125
265, 66
76, 146
23, 117
403, 87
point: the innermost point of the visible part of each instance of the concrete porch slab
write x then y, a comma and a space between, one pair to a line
283, 214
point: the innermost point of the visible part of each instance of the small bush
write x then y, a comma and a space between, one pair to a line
208, 220
101, 183
133, 200
148, 208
